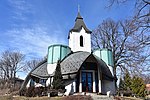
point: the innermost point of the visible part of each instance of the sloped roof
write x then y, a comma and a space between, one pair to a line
72, 64
79, 23
41, 70
106, 74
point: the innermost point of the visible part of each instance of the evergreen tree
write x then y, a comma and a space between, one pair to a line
135, 84
127, 81
58, 79
138, 86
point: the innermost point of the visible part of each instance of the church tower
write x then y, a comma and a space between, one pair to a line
80, 36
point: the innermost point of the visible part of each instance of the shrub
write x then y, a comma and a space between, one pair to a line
30, 92
53, 92
33, 91
23, 92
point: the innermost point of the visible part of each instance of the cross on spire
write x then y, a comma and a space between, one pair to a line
78, 8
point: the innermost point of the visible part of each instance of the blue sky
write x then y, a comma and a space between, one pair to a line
30, 26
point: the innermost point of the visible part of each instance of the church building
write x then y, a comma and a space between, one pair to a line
83, 70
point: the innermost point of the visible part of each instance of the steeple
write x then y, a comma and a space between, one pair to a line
79, 23
79, 36
78, 8
78, 15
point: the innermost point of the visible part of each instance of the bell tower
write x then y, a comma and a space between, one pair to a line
80, 36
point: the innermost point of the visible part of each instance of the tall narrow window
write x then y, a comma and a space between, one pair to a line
81, 41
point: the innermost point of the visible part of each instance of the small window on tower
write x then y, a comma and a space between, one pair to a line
81, 41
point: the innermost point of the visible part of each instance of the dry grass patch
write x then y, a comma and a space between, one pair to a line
6, 97
9, 97
127, 98
36, 98
77, 97
132, 98
73, 97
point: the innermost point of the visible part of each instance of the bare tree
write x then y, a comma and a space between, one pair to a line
146, 78
129, 45
31, 64
1, 72
141, 19
11, 63
142, 11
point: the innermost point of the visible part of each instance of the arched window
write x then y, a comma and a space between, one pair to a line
81, 41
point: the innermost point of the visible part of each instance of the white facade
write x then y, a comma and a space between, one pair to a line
51, 68
108, 87
75, 39
70, 87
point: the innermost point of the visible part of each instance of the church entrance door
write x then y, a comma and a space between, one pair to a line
87, 82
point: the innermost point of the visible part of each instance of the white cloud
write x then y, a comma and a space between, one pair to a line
19, 8
33, 41
30, 35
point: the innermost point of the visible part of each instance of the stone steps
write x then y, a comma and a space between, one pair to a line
96, 97
102, 98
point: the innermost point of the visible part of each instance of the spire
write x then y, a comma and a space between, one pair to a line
78, 8
79, 23
78, 16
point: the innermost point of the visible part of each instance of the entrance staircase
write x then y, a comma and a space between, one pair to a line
97, 97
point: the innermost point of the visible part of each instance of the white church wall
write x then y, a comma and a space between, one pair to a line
51, 68
108, 86
74, 41
99, 81
48, 82
70, 87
